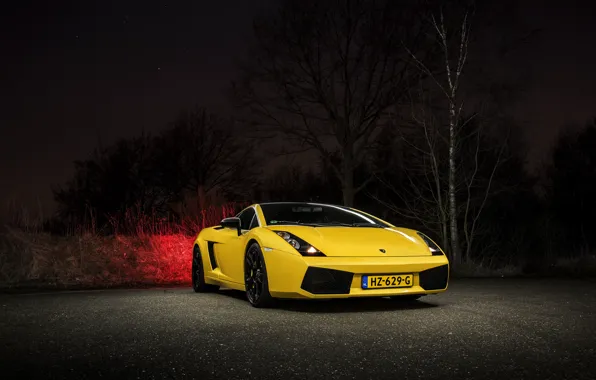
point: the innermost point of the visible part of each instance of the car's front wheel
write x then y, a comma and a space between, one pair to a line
256, 281
198, 274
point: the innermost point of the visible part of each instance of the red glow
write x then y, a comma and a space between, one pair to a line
163, 251
149, 251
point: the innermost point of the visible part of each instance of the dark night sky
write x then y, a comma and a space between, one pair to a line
72, 72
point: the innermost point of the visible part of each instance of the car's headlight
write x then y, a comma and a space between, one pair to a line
299, 245
434, 249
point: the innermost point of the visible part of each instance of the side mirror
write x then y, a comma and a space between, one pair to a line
232, 222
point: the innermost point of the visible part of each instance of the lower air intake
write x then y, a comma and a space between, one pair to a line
327, 281
435, 278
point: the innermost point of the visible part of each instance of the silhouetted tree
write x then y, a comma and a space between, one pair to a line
198, 153
324, 74
293, 183
512, 228
436, 134
492, 188
572, 187
452, 152
113, 180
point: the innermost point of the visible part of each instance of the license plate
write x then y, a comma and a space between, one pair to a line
388, 281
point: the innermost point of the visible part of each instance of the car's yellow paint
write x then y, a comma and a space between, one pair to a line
351, 249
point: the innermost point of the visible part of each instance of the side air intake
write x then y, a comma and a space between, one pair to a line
212, 260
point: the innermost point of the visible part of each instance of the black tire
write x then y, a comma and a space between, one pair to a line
198, 274
256, 282
407, 298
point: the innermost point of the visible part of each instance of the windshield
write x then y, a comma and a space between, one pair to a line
316, 214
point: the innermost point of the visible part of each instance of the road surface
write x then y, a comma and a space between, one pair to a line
486, 329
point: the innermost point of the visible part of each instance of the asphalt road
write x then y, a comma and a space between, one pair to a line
487, 329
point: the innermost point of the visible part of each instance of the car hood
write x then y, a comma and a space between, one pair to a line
360, 241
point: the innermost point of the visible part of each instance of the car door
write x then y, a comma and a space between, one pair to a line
231, 254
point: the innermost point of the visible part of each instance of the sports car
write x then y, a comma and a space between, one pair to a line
285, 250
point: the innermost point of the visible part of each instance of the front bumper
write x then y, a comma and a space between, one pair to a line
292, 276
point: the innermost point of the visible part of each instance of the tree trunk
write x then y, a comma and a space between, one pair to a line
348, 192
444, 229
348, 176
441, 206
201, 204
201, 197
455, 249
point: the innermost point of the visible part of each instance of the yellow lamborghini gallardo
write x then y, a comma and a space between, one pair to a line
311, 250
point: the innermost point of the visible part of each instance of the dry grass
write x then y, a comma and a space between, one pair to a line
28, 259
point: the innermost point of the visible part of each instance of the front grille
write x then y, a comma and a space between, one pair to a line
327, 281
435, 278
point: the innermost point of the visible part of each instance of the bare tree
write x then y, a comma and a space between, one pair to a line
448, 82
453, 177
324, 74
453, 81
199, 153
453, 164
421, 186
477, 177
